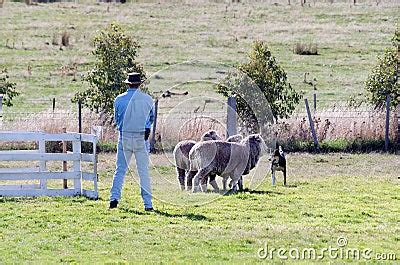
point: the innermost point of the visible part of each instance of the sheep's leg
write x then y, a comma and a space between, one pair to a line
203, 183
240, 183
234, 189
189, 180
199, 176
224, 181
273, 177
181, 177
213, 182
234, 181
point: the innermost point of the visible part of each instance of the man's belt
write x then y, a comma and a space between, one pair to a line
133, 133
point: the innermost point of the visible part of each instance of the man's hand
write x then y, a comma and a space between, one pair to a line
146, 134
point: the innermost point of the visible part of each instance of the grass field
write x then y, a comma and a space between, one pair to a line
349, 38
349, 196
329, 196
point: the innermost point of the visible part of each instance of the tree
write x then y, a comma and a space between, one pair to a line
384, 78
7, 89
260, 87
115, 54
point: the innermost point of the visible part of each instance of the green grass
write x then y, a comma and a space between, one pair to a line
348, 39
355, 196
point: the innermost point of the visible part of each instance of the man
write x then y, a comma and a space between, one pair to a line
132, 112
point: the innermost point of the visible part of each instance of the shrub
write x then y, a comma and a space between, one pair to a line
306, 49
115, 54
7, 89
384, 79
261, 78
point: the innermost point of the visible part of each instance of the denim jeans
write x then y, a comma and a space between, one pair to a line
132, 144
147, 144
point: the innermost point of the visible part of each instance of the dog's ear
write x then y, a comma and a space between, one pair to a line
258, 138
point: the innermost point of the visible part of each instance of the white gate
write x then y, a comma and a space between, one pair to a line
40, 174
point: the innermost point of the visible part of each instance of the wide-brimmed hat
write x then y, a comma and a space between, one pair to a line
133, 79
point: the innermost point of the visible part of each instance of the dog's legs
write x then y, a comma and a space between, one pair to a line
273, 177
181, 177
284, 176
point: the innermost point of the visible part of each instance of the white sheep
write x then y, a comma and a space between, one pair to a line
181, 156
226, 159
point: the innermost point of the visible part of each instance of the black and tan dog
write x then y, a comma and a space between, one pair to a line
278, 163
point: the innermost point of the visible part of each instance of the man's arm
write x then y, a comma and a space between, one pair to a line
115, 112
150, 120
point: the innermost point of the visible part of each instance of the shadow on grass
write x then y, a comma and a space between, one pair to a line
190, 216
246, 190
133, 211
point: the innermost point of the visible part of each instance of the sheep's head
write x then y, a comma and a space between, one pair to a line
235, 138
257, 139
210, 135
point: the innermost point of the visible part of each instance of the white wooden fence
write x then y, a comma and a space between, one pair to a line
40, 174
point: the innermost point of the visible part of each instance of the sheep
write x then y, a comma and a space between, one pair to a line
181, 156
236, 138
227, 159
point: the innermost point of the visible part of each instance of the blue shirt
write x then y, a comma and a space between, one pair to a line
133, 111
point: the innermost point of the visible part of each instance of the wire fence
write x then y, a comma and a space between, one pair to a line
336, 120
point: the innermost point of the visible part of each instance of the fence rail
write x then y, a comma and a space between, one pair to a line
41, 173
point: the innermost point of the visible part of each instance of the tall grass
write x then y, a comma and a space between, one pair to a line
338, 125
171, 131
349, 123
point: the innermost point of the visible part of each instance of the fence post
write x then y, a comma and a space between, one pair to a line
64, 165
54, 104
315, 98
153, 134
79, 116
314, 135
76, 149
1, 105
398, 126
231, 119
387, 123
1, 109
42, 164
